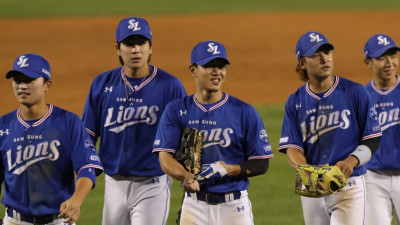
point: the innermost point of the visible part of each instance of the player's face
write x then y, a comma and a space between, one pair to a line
29, 91
319, 65
384, 67
210, 76
135, 51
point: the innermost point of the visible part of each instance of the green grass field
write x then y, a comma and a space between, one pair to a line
51, 8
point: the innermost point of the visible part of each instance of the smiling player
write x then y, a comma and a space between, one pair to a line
41, 146
235, 144
383, 175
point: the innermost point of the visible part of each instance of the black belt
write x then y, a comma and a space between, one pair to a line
37, 220
214, 199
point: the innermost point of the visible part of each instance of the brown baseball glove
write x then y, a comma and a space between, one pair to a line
189, 150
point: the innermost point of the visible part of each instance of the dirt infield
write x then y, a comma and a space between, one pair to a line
260, 47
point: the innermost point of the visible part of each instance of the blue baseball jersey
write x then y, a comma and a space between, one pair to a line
38, 160
387, 105
232, 132
328, 127
124, 113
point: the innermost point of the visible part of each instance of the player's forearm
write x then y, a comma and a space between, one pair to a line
82, 189
295, 157
232, 170
253, 167
172, 167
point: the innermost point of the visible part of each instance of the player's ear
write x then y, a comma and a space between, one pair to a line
117, 48
192, 69
151, 49
47, 85
367, 62
302, 63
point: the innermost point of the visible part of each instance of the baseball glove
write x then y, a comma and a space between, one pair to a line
307, 177
189, 150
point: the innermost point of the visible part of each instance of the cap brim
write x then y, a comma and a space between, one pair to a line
128, 35
28, 73
381, 51
207, 60
315, 48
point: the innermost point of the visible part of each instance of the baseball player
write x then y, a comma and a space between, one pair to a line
235, 144
329, 120
123, 109
41, 147
383, 175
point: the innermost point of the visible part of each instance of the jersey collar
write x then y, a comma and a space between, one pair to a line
224, 99
327, 93
386, 92
142, 84
37, 123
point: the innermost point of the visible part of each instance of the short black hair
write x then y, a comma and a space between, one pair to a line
132, 40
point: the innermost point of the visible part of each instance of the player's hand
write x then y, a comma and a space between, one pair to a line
190, 184
320, 186
212, 171
347, 165
70, 210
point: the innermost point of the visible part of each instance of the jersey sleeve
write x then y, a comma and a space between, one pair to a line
90, 115
367, 117
168, 132
1, 172
83, 151
179, 91
257, 142
290, 137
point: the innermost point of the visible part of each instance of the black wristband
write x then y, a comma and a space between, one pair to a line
254, 167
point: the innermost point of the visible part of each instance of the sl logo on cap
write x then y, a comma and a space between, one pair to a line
315, 38
383, 40
22, 61
213, 48
134, 25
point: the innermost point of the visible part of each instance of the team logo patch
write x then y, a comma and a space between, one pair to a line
315, 38
373, 113
156, 142
134, 25
89, 144
283, 140
263, 135
94, 158
267, 149
382, 40
22, 61
213, 48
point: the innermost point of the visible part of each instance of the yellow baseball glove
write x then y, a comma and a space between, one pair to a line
309, 178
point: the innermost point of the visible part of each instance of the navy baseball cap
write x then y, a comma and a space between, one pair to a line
377, 45
131, 26
309, 43
206, 51
32, 65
